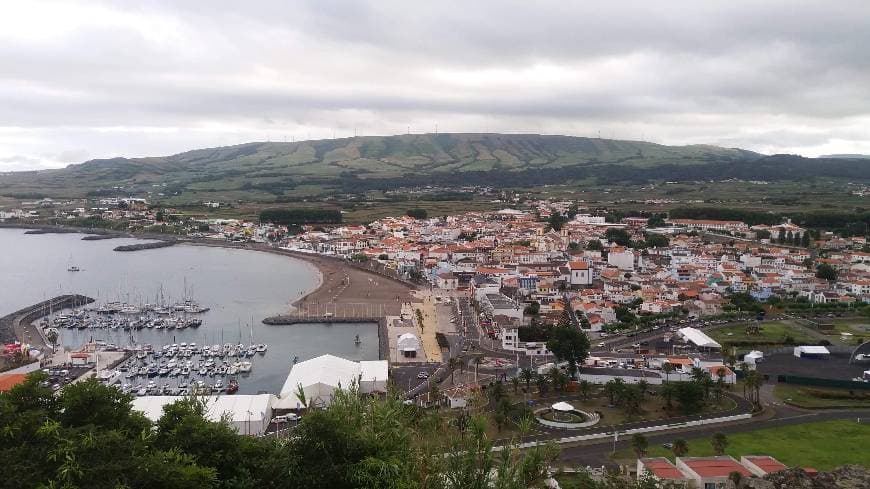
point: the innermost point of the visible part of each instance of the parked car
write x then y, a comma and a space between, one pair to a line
423, 375
286, 418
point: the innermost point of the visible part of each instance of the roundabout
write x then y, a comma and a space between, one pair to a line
565, 416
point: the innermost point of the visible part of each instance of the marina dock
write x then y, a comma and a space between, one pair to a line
17, 326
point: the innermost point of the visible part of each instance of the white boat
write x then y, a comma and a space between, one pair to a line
245, 367
73, 269
261, 348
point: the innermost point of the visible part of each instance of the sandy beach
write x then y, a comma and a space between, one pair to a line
343, 290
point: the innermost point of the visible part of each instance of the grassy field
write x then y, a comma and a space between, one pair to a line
822, 445
771, 332
810, 398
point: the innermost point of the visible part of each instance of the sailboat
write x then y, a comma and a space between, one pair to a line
71, 267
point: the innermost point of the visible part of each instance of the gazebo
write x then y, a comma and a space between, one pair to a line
561, 407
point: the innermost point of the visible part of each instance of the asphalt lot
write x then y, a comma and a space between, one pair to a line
835, 367
405, 375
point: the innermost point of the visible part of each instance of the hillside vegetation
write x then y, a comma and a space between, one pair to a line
267, 171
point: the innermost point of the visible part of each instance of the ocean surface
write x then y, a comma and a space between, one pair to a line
240, 288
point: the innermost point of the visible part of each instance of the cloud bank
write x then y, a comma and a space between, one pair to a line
95, 79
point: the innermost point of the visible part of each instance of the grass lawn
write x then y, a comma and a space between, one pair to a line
772, 332
823, 445
807, 397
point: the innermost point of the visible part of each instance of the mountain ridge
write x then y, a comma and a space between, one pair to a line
362, 163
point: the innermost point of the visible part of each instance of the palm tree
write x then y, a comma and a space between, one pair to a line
300, 394
434, 392
642, 385
639, 444
585, 388
611, 389
452, 365
719, 442
515, 382
527, 376
667, 368
496, 391
542, 384
680, 447
555, 375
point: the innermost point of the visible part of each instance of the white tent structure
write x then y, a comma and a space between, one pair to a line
321, 376
698, 338
248, 414
562, 406
753, 357
408, 345
811, 351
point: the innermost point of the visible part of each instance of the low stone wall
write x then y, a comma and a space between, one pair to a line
593, 419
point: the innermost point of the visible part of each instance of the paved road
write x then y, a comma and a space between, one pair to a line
598, 453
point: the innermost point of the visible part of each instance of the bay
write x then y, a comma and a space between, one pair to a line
240, 287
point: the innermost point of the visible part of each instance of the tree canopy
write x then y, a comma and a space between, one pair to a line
569, 344
618, 236
88, 436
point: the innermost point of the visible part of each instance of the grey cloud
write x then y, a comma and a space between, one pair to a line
169, 76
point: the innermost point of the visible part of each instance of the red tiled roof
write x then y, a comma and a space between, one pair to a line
714, 467
8, 381
662, 468
767, 464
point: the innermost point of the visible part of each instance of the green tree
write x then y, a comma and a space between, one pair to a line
618, 236
690, 395
569, 344
594, 245
656, 240
680, 447
639, 444
417, 213
656, 221
826, 272
668, 369
719, 442
527, 375
556, 221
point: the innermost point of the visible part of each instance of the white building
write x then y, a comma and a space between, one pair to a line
621, 258
580, 273
247, 414
321, 376
698, 338
408, 345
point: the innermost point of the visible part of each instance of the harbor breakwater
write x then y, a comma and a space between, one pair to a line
145, 246
12, 324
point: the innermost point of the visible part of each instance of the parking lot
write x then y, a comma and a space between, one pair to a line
61, 376
837, 366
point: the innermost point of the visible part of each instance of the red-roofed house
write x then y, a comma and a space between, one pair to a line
762, 465
662, 469
710, 472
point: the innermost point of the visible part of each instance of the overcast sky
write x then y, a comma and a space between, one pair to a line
82, 80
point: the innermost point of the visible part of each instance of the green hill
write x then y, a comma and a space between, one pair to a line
269, 171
